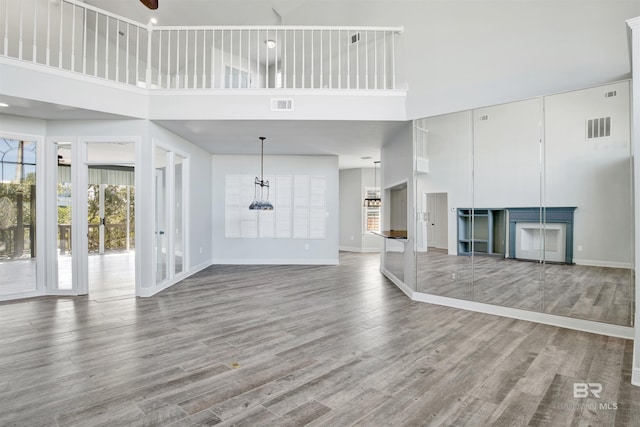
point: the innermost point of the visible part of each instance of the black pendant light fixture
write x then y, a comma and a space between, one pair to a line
151, 4
260, 202
373, 200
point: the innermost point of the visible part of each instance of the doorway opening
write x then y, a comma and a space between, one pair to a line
103, 263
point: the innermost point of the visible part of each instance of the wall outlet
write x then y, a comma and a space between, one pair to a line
351, 238
306, 246
579, 248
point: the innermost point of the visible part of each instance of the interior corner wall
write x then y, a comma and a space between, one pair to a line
275, 250
199, 210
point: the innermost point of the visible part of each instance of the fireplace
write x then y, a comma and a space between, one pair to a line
532, 230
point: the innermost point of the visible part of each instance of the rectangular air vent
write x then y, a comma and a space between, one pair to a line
483, 118
281, 104
355, 38
599, 128
610, 94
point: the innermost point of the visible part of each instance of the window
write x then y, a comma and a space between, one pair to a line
371, 214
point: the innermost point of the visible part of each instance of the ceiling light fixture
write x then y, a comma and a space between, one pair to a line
261, 203
151, 4
270, 43
3, 104
154, 21
372, 199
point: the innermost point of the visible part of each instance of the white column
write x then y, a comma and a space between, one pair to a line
634, 24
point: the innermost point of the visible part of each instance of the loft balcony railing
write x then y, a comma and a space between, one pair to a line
73, 36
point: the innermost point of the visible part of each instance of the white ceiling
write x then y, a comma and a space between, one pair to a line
349, 140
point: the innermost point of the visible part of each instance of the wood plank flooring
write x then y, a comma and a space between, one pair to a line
602, 294
298, 345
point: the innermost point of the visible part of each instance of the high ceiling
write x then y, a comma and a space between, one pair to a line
356, 143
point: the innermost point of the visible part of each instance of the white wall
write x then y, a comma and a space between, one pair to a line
458, 55
275, 251
25, 125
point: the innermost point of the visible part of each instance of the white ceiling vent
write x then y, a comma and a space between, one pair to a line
281, 104
599, 128
611, 94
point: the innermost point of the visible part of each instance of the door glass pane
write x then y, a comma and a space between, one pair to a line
17, 216
178, 244
161, 216
64, 204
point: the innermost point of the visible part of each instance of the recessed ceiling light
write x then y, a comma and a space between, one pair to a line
154, 21
271, 44
3, 104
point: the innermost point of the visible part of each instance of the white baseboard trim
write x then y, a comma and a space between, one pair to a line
277, 261
596, 263
23, 295
360, 250
149, 292
618, 331
590, 326
635, 377
399, 283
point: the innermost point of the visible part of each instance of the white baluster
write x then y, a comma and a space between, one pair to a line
95, 48
84, 41
177, 58
20, 34
330, 59
117, 50
159, 35
366, 59
195, 59
60, 40
393, 59
34, 49
213, 51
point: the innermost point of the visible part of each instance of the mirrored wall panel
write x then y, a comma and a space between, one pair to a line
446, 222
529, 205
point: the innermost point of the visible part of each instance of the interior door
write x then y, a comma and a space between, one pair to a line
431, 219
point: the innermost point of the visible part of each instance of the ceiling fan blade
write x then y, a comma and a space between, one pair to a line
151, 4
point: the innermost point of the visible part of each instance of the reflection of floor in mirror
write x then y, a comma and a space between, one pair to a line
602, 294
